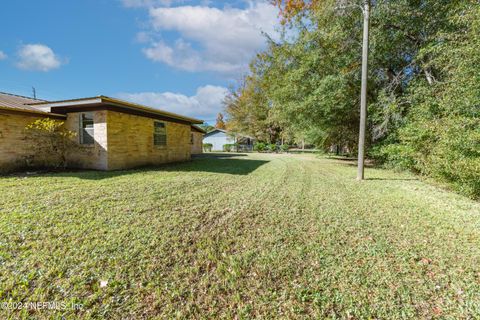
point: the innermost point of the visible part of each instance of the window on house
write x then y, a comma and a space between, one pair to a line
191, 138
86, 128
159, 134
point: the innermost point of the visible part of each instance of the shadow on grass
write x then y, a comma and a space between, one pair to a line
351, 163
212, 162
217, 164
341, 158
391, 179
218, 155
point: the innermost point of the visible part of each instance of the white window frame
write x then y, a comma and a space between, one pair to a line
82, 129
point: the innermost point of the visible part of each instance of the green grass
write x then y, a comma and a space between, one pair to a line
253, 236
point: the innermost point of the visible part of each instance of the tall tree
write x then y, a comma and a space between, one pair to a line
220, 123
440, 134
291, 8
422, 89
249, 107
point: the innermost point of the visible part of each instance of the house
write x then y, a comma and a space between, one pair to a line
219, 138
197, 139
110, 133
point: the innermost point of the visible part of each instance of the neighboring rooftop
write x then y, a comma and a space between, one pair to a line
198, 129
213, 131
14, 101
216, 130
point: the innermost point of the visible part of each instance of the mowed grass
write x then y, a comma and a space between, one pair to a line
250, 236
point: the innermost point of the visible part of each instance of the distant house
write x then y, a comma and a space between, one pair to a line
110, 133
219, 138
196, 139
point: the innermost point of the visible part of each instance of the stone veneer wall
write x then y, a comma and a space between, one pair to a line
197, 146
16, 149
130, 142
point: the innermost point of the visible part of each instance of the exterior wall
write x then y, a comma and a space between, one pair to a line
218, 140
89, 156
16, 149
121, 141
130, 142
197, 145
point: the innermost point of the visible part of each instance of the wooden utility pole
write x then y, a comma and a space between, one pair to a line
363, 99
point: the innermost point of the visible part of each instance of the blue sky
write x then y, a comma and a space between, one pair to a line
177, 55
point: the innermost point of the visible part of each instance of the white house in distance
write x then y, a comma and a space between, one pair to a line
218, 138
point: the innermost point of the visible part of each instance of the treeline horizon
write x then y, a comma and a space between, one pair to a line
423, 95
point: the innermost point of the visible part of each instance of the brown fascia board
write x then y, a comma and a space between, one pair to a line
167, 114
114, 108
32, 113
107, 103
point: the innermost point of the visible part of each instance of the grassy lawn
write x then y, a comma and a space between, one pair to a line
267, 236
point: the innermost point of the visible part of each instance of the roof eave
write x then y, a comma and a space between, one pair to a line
64, 103
47, 114
119, 103
167, 114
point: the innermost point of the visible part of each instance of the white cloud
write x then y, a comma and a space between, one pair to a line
37, 57
143, 37
205, 104
211, 39
2, 55
182, 56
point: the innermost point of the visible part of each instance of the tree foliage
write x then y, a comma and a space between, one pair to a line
220, 123
424, 104
249, 108
441, 132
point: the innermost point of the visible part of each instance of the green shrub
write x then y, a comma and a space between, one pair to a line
284, 147
272, 147
207, 147
228, 147
455, 156
52, 142
446, 149
259, 146
395, 156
